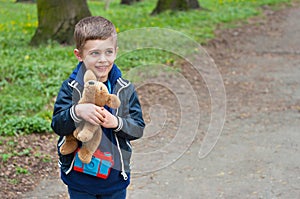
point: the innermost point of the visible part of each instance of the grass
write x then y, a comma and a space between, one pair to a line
31, 77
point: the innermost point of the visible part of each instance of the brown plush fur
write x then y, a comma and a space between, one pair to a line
90, 135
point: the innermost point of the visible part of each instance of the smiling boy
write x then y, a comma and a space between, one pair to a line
96, 49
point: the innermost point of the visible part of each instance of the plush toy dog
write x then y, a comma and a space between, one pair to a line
90, 135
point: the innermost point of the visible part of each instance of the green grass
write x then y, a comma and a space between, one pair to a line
30, 77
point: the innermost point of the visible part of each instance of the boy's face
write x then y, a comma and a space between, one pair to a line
98, 56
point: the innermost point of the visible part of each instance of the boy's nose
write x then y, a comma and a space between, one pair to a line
101, 58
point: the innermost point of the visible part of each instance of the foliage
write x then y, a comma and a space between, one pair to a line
30, 77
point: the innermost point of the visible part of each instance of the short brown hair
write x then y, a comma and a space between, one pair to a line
92, 28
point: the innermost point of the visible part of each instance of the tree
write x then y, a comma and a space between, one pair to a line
25, 1
129, 2
57, 18
174, 5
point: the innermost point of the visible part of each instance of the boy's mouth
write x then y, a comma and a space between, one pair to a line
101, 68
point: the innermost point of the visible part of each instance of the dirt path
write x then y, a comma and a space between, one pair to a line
257, 153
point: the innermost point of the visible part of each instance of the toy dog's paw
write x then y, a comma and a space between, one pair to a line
69, 146
84, 136
85, 155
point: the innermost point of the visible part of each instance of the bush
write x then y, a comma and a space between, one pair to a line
15, 125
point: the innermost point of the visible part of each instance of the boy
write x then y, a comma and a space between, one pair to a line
96, 49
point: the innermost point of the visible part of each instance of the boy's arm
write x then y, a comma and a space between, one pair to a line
64, 117
131, 126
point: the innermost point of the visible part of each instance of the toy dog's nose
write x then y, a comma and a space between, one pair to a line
91, 83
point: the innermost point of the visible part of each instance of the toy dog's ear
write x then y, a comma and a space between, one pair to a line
89, 75
113, 101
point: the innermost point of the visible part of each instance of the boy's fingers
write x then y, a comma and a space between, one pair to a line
102, 111
93, 122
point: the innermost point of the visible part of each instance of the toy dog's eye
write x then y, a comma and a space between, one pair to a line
91, 83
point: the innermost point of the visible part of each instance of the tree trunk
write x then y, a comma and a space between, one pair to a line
25, 1
175, 5
57, 18
129, 2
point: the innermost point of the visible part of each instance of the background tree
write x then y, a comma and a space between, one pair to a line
57, 18
129, 2
163, 5
25, 1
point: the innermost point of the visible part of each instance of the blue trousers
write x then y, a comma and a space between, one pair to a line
75, 194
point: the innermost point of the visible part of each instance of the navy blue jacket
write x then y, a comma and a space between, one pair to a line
116, 141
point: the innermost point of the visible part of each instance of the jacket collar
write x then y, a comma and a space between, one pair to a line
78, 73
80, 69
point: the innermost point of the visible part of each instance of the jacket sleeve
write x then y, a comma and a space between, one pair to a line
131, 123
64, 119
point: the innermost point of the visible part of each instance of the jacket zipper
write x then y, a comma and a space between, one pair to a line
123, 173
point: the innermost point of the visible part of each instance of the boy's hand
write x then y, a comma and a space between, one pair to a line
89, 113
108, 120
96, 115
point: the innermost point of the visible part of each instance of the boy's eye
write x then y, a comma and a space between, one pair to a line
109, 52
95, 53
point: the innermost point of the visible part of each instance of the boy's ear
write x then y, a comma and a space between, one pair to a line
78, 55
